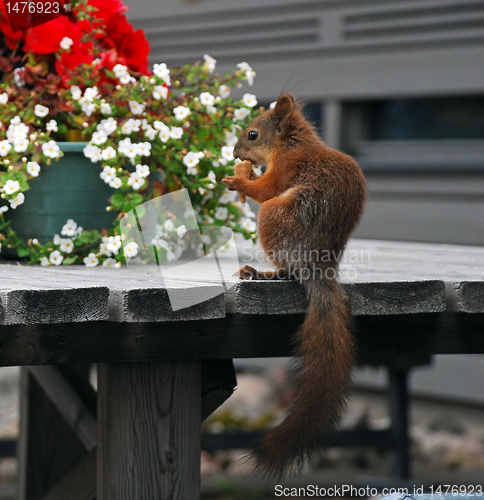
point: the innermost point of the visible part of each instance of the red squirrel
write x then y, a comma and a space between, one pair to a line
311, 199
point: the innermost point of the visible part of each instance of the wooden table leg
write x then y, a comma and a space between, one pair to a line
49, 446
149, 431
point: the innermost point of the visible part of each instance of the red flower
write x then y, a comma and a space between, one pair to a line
46, 38
131, 45
106, 9
11, 38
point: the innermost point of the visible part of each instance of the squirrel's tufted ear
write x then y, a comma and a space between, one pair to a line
284, 106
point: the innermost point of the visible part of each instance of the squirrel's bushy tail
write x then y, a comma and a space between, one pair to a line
325, 348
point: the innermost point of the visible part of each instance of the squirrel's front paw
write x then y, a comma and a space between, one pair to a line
234, 183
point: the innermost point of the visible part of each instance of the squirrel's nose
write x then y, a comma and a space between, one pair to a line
237, 150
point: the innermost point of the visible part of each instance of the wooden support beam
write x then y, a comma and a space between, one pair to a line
149, 430
68, 403
48, 447
79, 484
218, 384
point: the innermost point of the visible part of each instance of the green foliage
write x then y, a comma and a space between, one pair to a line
158, 121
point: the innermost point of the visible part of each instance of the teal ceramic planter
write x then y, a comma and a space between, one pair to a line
67, 189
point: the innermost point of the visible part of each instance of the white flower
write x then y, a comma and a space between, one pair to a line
106, 108
108, 174
132, 150
241, 113
181, 112
224, 91
160, 243
231, 138
17, 131
66, 245
99, 137
248, 224
210, 63
169, 226
114, 244
249, 100
11, 187
136, 180
108, 125
249, 72
57, 239
161, 71
159, 125
76, 92
18, 200
272, 105
51, 149
66, 43
104, 247
69, 228
150, 132
136, 108
191, 159
91, 260
109, 153
41, 111
120, 70
221, 213
109, 262
5, 147
92, 152
211, 176
44, 262
56, 258
15, 120
3, 98
88, 108
21, 145
247, 210
207, 99
90, 94
160, 92
51, 126
116, 183
17, 77
176, 132
165, 135
181, 231
143, 170
33, 168
124, 145
131, 249
131, 126
3, 209
144, 148
228, 197
228, 153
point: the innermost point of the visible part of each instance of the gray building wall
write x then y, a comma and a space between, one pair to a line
341, 52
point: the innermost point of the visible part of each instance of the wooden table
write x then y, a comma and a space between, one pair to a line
160, 372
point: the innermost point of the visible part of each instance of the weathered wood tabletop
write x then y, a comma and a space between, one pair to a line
407, 299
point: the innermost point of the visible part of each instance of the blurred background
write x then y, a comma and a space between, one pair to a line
400, 86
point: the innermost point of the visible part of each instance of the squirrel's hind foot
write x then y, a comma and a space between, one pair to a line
249, 273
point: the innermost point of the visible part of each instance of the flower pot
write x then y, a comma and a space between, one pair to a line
67, 189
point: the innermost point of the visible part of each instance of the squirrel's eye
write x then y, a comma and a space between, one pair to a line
253, 135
